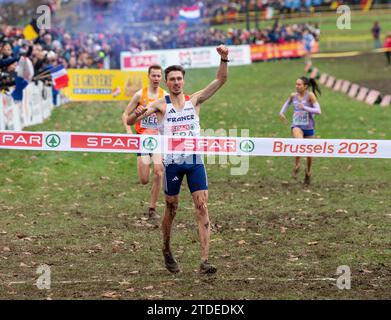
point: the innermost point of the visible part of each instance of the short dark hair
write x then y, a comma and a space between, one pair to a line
154, 67
174, 68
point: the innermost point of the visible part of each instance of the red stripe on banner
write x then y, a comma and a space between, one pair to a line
205, 145
104, 142
11, 139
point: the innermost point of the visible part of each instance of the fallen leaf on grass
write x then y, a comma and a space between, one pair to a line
111, 295
312, 243
363, 270
130, 290
292, 258
148, 288
6, 249
241, 242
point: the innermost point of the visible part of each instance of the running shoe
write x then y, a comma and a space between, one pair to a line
152, 215
205, 267
170, 262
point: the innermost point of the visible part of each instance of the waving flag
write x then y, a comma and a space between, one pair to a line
190, 14
60, 77
24, 74
31, 31
20, 85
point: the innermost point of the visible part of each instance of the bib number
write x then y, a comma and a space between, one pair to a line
149, 122
301, 118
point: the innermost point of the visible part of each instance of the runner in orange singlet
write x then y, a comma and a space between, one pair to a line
148, 126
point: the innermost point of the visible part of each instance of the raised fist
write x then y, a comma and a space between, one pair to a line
222, 50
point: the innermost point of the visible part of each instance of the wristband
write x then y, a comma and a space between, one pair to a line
224, 60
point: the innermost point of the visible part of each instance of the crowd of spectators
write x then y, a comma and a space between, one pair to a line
215, 11
168, 10
102, 50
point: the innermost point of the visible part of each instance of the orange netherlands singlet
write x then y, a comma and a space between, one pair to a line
149, 124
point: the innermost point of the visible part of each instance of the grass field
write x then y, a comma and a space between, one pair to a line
83, 214
378, 78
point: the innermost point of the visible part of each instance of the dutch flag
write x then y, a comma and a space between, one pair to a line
60, 77
190, 14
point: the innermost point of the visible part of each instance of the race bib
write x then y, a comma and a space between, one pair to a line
301, 118
182, 130
149, 122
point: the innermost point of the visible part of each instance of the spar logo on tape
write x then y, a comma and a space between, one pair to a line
53, 140
104, 142
247, 146
202, 145
11, 139
150, 144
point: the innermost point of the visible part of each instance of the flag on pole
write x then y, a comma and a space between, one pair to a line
31, 31
60, 77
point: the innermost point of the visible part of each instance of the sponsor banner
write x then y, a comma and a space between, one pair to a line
103, 85
201, 57
129, 143
262, 52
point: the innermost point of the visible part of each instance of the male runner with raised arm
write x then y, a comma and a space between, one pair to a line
178, 114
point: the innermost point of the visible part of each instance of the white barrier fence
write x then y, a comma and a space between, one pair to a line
36, 106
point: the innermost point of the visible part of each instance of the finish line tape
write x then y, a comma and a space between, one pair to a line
240, 146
